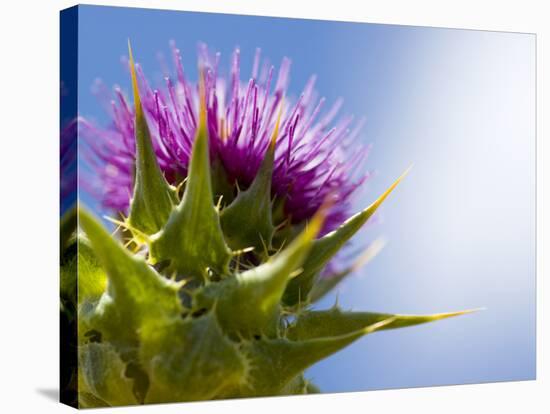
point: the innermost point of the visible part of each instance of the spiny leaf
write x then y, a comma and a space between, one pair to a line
324, 249
248, 304
102, 373
275, 362
153, 197
189, 360
192, 240
247, 221
334, 322
135, 292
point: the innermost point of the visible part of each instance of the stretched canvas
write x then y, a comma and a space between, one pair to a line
256, 206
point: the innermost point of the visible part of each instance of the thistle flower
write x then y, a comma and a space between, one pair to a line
208, 301
310, 162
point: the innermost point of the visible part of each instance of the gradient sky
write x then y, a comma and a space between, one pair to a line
457, 104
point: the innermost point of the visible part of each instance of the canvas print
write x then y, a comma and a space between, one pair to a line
256, 206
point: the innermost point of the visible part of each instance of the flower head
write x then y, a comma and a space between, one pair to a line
311, 160
226, 285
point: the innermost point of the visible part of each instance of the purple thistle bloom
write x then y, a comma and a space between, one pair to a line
310, 160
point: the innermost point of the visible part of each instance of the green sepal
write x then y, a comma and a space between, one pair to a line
189, 360
325, 248
248, 303
103, 375
153, 198
275, 362
135, 292
247, 221
192, 241
334, 322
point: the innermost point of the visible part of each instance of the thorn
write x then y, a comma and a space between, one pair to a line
137, 101
295, 273
178, 188
281, 225
127, 226
280, 248
238, 263
391, 188
242, 251
219, 203
336, 305
116, 230
464, 312
202, 99
264, 245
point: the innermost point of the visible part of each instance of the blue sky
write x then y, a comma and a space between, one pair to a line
460, 230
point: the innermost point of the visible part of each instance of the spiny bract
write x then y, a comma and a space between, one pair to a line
205, 300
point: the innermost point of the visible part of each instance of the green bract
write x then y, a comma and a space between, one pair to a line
205, 302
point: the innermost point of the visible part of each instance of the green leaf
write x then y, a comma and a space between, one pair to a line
324, 249
248, 303
102, 372
153, 198
192, 241
189, 360
334, 322
135, 293
247, 221
275, 362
